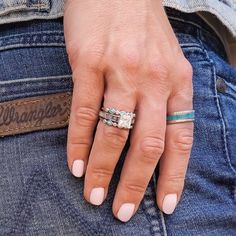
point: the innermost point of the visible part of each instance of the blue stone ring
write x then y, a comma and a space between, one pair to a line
180, 116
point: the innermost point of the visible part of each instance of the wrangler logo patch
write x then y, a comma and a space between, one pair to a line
35, 113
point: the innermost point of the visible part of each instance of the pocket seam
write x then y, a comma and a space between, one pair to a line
223, 124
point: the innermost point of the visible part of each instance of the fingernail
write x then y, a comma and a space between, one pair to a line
97, 196
126, 211
169, 203
78, 168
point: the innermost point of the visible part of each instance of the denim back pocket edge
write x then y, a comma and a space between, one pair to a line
219, 108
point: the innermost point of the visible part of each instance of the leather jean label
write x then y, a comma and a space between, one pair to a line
35, 113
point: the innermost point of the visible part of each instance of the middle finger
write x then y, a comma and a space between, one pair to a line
146, 147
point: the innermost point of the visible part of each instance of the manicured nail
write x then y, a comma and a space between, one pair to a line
126, 211
97, 196
169, 203
78, 168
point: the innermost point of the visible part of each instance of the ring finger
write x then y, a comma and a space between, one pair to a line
108, 144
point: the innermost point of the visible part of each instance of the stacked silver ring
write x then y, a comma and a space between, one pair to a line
117, 118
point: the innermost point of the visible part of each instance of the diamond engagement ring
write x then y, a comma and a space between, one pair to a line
181, 116
116, 118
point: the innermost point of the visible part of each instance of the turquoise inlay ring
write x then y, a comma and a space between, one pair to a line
180, 116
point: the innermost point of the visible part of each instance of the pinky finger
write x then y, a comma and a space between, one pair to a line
174, 163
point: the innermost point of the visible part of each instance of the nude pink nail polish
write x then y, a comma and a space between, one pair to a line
78, 168
97, 196
169, 203
126, 211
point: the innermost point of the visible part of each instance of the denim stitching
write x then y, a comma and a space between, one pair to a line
30, 39
41, 38
40, 183
224, 131
35, 101
33, 34
151, 210
35, 79
161, 213
30, 45
34, 93
44, 126
163, 223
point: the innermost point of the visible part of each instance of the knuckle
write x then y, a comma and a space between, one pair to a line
79, 142
136, 187
86, 55
78, 146
73, 52
174, 179
186, 69
114, 138
70, 47
91, 57
157, 68
129, 58
73, 150
184, 140
185, 96
101, 173
85, 116
152, 147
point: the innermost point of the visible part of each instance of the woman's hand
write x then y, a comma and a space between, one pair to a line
126, 52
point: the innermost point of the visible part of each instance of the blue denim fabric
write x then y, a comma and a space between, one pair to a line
39, 196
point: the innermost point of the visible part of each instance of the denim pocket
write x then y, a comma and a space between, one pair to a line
226, 93
39, 195
35, 75
207, 202
214, 84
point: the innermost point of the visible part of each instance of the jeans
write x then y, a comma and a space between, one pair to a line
39, 196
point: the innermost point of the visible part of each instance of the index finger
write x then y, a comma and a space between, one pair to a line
86, 102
